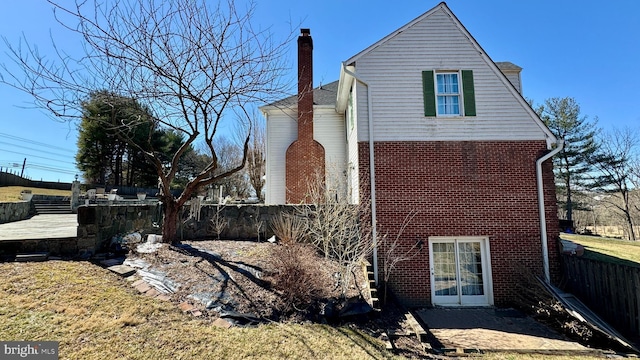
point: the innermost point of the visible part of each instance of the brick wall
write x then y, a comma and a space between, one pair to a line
305, 156
483, 189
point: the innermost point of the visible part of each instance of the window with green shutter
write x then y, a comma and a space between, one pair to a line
445, 95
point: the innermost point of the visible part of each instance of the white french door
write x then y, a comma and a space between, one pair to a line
460, 271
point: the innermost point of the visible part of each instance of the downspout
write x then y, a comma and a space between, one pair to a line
543, 217
372, 172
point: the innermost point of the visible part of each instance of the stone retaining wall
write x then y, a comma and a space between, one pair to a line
98, 224
14, 211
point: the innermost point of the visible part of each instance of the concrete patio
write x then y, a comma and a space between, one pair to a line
49, 226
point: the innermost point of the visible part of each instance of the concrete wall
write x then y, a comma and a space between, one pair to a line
14, 211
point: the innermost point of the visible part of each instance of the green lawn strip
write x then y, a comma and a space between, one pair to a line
607, 249
96, 315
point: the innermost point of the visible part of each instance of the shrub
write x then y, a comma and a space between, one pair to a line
294, 277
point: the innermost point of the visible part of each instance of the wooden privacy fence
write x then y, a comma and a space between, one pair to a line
610, 290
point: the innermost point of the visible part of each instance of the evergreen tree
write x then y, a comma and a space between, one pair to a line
104, 154
572, 164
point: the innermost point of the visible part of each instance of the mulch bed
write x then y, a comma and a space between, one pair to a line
222, 275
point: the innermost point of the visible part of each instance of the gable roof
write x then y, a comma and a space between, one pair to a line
350, 65
322, 95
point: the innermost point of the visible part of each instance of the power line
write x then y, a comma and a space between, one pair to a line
52, 169
13, 137
36, 156
28, 148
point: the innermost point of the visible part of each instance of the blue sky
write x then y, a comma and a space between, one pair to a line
585, 49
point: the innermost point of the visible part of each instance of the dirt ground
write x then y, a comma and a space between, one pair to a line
219, 275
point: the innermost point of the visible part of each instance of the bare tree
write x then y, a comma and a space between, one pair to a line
194, 64
229, 155
256, 162
618, 153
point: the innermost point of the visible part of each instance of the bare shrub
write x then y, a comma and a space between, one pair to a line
288, 227
218, 222
294, 276
334, 226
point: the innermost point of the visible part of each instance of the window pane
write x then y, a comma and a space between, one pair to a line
444, 259
448, 84
470, 268
449, 105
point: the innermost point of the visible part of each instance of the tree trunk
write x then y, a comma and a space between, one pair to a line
171, 211
569, 202
629, 220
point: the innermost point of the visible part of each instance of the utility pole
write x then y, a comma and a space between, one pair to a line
23, 164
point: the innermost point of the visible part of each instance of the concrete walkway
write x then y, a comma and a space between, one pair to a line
61, 226
489, 329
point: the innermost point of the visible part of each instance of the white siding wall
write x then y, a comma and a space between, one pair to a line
329, 130
394, 72
514, 78
282, 130
353, 181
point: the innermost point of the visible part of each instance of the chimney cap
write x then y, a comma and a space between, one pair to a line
305, 32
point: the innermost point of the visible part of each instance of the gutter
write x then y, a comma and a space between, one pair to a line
543, 217
372, 172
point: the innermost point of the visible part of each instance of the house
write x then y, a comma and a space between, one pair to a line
424, 120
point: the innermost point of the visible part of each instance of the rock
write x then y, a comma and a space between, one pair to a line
122, 270
111, 262
147, 248
222, 323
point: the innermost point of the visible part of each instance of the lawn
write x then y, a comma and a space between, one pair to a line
97, 315
12, 193
607, 249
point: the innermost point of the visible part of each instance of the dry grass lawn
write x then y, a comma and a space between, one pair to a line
12, 193
97, 315
94, 314
606, 249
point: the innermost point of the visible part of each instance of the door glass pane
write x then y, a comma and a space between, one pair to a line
470, 268
444, 264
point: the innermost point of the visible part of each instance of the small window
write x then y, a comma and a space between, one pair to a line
448, 94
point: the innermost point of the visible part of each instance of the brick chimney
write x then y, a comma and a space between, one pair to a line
305, 156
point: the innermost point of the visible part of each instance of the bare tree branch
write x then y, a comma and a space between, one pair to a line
194, 64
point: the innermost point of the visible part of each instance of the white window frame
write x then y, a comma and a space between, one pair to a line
458, 94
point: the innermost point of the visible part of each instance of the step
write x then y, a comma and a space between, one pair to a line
53, 209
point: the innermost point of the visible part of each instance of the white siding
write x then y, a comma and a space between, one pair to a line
282, 130
329, 131
353, 180
514, 78
394, 72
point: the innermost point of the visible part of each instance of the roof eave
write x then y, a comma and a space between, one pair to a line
344, 87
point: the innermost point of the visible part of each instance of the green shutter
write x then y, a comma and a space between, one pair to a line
468, 93
428, 92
